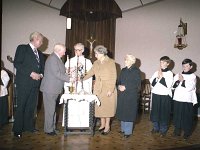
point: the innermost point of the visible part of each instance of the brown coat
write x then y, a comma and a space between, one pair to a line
105, 80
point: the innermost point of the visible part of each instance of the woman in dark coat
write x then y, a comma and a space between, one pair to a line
128, 93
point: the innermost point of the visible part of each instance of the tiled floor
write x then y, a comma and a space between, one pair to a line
142, 139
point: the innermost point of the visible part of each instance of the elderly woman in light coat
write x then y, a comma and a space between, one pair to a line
104, 70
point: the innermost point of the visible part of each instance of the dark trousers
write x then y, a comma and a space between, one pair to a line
3, 110
183, 117
160, 113
24, 118
160, 127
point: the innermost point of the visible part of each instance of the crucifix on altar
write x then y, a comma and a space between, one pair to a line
91, 41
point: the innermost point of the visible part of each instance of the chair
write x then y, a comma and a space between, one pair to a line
145, 95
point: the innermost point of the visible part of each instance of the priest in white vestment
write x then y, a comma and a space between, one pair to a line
77, 67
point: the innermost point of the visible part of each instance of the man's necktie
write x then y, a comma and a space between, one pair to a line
36, 55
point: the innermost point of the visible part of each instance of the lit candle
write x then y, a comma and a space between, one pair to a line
85, 66
69, 64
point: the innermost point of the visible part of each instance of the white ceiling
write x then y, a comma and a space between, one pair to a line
125, 5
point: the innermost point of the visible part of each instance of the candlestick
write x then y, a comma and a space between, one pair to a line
77, 68
68, 64
85, 67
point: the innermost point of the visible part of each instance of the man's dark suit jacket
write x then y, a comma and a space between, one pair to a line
25, 62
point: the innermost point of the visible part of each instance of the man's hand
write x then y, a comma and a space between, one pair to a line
35, 76
121, 88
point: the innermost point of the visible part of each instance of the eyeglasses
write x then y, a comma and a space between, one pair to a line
78, 49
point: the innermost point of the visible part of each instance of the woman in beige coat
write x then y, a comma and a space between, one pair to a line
104, 70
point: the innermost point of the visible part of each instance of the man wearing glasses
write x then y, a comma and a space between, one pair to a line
77, 67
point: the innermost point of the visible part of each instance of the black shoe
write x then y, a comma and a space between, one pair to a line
35, 131
176, 135
126, 136
105, 133
56, 131
18, 135
51, 133
186, 137
100, 130
153, 131
162, 134
121, 132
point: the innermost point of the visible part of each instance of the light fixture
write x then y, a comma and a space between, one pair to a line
69, 23
180, 42
69, 19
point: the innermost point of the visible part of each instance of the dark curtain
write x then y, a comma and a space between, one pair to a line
91, 18
101, 31
1, 25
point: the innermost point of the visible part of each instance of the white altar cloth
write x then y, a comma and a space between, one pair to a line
78, 97
78, 109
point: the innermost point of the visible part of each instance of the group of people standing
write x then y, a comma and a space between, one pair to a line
118, 96
180, 88
52, 74
34, 74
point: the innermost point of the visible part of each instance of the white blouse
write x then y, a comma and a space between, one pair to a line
5, 79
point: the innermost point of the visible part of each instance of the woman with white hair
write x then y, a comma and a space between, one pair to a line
127, 103
104, 70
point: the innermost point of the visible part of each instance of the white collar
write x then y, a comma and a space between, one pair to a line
31, 45
57, 55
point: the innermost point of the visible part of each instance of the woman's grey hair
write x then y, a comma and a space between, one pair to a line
131, 58
35, 34
101, 49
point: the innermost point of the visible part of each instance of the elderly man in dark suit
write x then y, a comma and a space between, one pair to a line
52, 85
29, 64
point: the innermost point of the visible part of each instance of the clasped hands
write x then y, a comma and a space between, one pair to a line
160, 73
180, 77
121, 88
35, 76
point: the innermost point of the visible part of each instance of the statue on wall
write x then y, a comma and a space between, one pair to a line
91, 41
